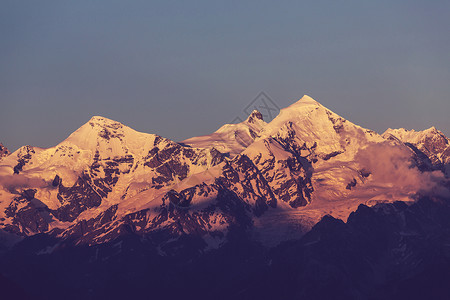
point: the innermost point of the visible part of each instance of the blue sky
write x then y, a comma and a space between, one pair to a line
184, 68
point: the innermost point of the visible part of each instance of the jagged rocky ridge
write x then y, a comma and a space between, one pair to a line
431, 146
388, 251
106, 179
306, 206
3, 151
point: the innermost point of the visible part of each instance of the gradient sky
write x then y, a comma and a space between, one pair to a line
184, 68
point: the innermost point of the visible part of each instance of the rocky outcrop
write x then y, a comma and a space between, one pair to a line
389, 251
23, 157
107, 180
431, 147
3, 151
29, 215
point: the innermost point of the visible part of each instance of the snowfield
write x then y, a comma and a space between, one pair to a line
276, 179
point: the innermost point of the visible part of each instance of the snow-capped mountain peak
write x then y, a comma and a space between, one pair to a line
305, 163
305, 100
102, 120
413, 136
308, 122
254, 117
106, 135
431, 142
231, 138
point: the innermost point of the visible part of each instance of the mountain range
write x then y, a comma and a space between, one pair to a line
277, 185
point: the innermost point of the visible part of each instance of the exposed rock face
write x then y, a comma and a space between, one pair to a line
389, 251
77, 198
431, 146
102, 160
255, 117
3, 151
231, 139
285, 171
23, 157
28, 214
109, 196
107, 180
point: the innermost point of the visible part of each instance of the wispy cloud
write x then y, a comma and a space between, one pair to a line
393, 164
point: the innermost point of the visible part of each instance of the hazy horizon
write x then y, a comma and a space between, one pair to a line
184, 69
